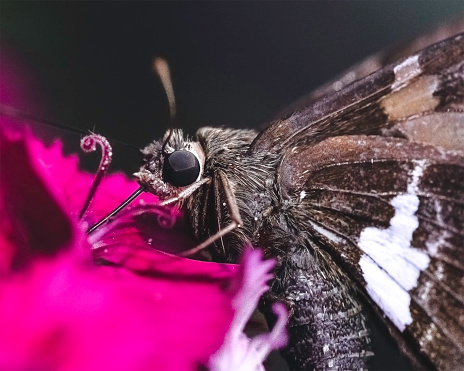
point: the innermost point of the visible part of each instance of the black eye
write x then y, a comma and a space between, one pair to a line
181, 168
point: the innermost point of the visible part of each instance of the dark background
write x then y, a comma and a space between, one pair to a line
233, 64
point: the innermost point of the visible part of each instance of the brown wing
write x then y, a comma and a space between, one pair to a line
375, 173
395, 101
375, 62
391, 213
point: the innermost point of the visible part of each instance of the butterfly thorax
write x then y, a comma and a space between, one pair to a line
252, 180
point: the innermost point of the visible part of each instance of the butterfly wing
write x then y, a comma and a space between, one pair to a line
391, 213
387, 102
375, 173
376, 62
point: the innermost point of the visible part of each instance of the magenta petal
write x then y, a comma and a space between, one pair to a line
35, 222
63, 313
72, 184
62, 316
238, 352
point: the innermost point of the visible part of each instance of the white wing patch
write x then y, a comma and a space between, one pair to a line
391, 267
405, 71
325, 232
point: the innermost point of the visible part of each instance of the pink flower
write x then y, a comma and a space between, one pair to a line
238, 353
59, 310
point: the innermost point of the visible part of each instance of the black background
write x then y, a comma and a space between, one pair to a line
233, 63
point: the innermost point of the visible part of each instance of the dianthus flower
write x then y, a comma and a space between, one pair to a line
143, 309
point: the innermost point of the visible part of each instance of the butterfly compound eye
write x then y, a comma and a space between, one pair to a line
181, 168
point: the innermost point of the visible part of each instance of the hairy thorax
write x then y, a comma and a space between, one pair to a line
252, 180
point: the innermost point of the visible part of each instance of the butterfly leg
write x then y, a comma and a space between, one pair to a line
236, 220
185, 193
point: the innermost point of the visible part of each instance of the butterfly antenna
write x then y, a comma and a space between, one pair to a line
161, 69
9, 111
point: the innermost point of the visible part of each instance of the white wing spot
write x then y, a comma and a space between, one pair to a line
325, 232
302, 195
337, 85
437, 241
349, 77
388, 295
391, 267
406, 70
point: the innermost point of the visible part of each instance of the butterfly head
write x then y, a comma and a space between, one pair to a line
171, 165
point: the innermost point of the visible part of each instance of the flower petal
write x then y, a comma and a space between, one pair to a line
33, 221
238, 353
66, 313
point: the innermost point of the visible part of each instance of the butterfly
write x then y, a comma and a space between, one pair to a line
357, 191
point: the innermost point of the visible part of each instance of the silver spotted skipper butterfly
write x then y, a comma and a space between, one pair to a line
359, 194
357, 191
